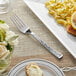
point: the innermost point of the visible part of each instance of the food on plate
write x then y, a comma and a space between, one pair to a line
63, 11
71, 30
7, 41
33, 69
3, 51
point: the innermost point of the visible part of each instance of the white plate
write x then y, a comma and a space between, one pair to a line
48, 68
38, 7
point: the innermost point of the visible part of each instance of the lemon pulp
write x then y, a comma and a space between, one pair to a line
73, 20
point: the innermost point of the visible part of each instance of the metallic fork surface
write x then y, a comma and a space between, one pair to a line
24, 29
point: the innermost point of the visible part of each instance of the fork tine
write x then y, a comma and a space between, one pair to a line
19, 20
16, 22
19, 23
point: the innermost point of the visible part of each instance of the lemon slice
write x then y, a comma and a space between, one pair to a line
73, 20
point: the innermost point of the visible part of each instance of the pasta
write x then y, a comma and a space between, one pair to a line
62, 11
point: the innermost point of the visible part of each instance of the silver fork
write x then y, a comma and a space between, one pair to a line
24, 29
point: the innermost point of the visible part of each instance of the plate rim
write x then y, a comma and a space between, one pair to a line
37, 59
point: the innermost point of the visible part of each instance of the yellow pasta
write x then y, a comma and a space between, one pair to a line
61, 21
62, 11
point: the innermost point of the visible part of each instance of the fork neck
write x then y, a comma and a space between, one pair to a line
28, 31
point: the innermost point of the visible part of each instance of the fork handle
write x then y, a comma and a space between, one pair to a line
55, 53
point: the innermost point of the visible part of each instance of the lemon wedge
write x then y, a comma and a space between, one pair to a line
73, 20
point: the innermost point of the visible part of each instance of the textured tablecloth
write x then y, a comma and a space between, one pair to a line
29, 47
